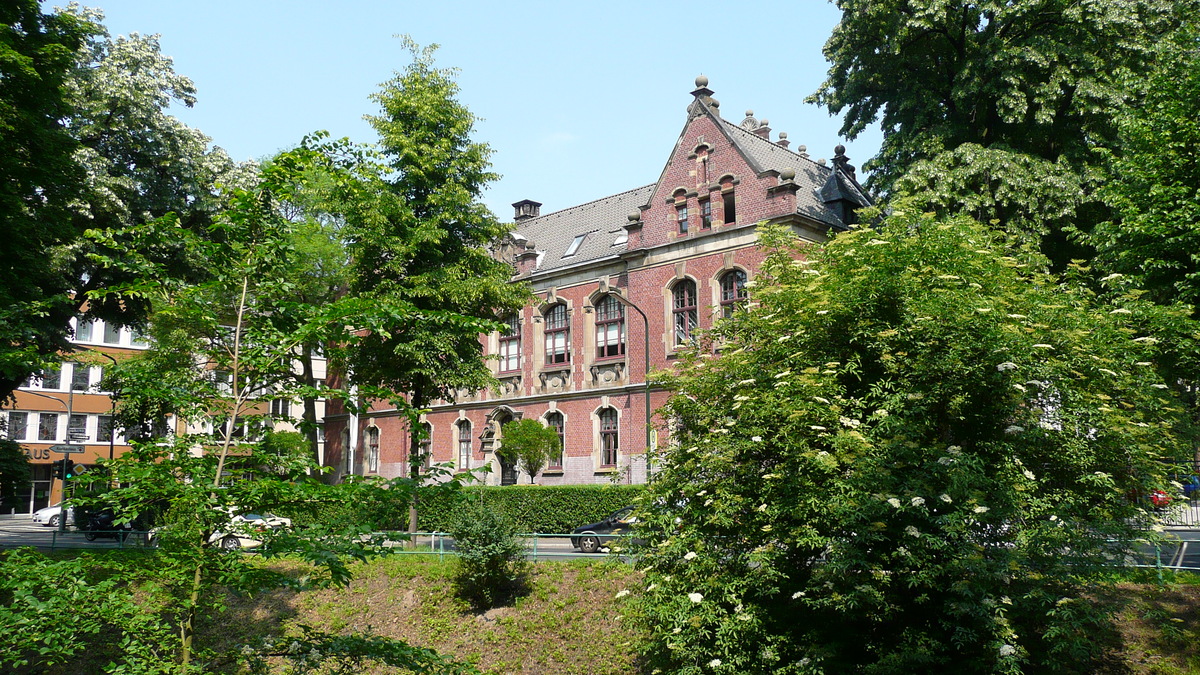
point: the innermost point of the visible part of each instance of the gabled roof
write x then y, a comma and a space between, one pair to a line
601, 220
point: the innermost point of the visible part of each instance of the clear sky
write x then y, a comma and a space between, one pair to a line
578, 100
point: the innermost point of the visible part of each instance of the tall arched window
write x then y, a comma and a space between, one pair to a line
554, 420
610, 437
733, 291
464, 444
686, 315
373, 449
426, 447
558, 335
510, 345
610, 328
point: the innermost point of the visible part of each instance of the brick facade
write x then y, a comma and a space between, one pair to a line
642, 248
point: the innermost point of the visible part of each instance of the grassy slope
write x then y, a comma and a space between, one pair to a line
567, 624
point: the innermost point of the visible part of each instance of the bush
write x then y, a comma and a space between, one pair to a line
491, 568
556, 509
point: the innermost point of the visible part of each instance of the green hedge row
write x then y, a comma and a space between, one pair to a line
553, 509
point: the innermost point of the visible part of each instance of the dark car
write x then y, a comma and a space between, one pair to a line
590, 538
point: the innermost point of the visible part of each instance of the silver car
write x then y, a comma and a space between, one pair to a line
51, 515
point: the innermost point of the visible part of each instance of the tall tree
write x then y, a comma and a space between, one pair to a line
427, 242
109, 157
39, 181
995, 104
917, 455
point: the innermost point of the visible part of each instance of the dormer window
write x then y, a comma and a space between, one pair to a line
574, 245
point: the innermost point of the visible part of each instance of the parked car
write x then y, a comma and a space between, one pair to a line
51, 515
592, 537
240, 531
102, 524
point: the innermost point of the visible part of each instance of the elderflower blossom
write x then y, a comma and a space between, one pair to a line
689, 555
756, 439
981, 509
714, 663
918, 501
1007, 365
623, 593
695, 598
912, 531
1007, 650
894, 502
797, 595
945, 498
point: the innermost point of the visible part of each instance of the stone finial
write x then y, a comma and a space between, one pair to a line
783, 141
841, 161
635, 216
701, 81
787, 174
802, 150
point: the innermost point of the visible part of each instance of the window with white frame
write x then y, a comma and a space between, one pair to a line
554, 420
686, 314
464, 444
373, 449
47, 427
18, 425
81, 377
610, 437
610, 328
558, 335
733, 292
510, 345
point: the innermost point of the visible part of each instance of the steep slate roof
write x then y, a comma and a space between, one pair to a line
764, 155
601, 220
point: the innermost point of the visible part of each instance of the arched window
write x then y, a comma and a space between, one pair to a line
510, 345
558, 335
610, 437
554, 420
426, 447
610, 328
464, 444
686, 315
373, 449
733, 291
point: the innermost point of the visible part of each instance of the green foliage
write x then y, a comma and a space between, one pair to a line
914, 456
14, 470
1039, 78
490, 568
529, 442
551, 509
424, 241
38, 183
1156, 194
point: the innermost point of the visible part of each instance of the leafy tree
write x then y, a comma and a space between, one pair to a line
425, 242
109, 157
529, 442
997, 106
216, 347
38, 182
14, 470
1156, 191
917, 454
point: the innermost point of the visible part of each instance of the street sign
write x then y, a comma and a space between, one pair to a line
67, 449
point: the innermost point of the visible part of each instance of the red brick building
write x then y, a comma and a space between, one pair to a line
621, 281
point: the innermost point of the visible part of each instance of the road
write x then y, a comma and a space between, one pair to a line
17, 532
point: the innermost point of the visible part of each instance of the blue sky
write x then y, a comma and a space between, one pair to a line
578, 100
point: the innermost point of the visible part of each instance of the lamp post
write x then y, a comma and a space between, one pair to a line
645, 371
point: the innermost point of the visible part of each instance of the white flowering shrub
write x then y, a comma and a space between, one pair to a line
887, 501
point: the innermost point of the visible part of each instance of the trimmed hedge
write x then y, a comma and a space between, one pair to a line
551, 509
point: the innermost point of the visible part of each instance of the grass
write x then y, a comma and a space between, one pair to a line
566, 624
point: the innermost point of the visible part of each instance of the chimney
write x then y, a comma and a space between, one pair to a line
526, 209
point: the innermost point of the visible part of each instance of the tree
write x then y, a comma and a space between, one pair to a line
425, 242
216, 347
14, 471
38, 182
918, 453
1156, 192
982, 100
529, 442
120, 161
